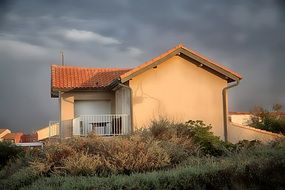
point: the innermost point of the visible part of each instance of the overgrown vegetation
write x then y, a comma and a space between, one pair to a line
8, 151
167, 155
273, 121
259, 168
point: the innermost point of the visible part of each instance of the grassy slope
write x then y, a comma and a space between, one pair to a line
259, 168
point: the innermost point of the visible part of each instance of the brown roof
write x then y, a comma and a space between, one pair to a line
180, 48
69, 77
12, 136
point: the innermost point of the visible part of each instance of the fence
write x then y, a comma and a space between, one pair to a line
103, 125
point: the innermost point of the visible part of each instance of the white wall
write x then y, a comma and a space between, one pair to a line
92, 107
238, 132
122, 96
242, 119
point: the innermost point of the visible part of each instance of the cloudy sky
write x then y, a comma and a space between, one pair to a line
247, 36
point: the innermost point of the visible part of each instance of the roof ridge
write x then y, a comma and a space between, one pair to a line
79, 67
180, 45
166, 53
211, 61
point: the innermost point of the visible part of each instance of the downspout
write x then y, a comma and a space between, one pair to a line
225, 111
60, 130
131, 103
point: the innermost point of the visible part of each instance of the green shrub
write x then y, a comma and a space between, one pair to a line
196, 134
262, 167
201, 134
88, 159
269, 121
21, 178
12, 166
8, 151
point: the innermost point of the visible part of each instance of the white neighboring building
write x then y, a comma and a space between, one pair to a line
242, 118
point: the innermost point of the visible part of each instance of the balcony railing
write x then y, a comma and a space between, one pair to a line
102, 125
53, 129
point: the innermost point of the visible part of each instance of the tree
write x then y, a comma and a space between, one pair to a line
262, 119
277, 107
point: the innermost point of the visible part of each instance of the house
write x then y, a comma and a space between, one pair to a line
180, 84
240, 129
245, 118
48, 132
242, 118
3, 132
13, 137
27, 138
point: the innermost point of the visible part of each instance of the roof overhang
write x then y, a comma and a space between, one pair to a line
55, 91
203, 62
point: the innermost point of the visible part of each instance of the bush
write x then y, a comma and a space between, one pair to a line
183, 154
269, 121
22, 177
193, 136
8, 151
201, 134
262, 167
165, 144
83, 164
101, 156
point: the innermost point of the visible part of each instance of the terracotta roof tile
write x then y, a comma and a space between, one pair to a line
12, 136
70, 77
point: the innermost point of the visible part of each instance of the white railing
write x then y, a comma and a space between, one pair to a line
103, 125
53, 129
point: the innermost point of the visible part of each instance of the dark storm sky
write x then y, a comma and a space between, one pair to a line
247, 36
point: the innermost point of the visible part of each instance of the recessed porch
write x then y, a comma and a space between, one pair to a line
103, 113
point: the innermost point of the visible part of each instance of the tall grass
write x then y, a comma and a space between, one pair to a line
166, 155
258, 168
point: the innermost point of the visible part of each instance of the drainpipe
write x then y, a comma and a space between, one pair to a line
131, 103
225, 111
60, 130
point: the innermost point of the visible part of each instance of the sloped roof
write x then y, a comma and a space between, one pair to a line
11, 136
65, 78
177, 50
69, 77
3, 130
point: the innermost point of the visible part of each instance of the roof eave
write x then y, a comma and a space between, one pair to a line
55, 91
229, 77
154, 64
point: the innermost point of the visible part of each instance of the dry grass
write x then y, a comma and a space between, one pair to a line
165, 144
95, 155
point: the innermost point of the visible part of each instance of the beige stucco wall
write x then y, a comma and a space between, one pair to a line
180, 91
68, 98
49, 131
238, 132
